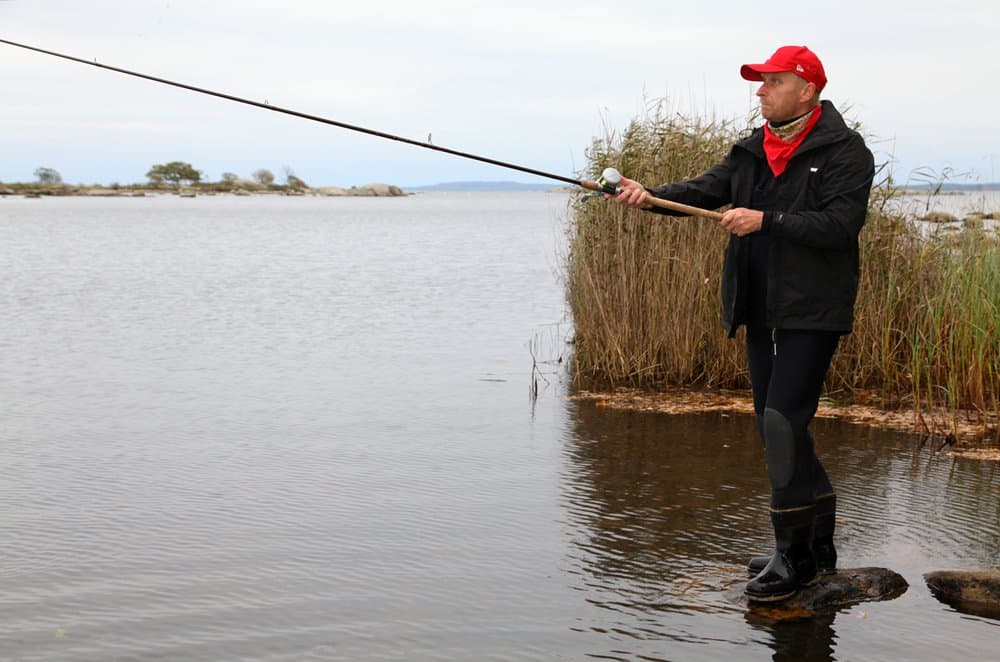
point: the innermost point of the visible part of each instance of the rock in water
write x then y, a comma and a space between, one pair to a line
843, 588
383, 190
975, 592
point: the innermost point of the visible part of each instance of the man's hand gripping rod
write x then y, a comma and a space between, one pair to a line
611, 178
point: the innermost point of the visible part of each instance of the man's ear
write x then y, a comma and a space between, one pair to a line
808, 92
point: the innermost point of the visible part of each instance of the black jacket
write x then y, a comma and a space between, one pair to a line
813, 264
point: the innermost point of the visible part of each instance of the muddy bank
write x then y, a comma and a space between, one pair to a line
966, 434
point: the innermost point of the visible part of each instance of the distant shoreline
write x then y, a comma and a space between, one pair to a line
949, 187
36, 190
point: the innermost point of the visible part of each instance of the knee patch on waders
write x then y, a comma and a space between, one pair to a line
779, 448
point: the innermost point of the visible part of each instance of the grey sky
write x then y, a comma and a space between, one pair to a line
528, 82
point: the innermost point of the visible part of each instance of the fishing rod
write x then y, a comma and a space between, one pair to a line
608, 183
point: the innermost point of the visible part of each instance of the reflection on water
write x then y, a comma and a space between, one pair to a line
812, 639
664, 497
668, 509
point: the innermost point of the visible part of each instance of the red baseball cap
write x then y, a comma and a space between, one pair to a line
798, 59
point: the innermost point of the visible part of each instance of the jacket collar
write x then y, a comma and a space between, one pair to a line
829, 129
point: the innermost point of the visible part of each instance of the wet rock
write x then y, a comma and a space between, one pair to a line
383, 190
975, 592
332, 191
375, 190
841, 589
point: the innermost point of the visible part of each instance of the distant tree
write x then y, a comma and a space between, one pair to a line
174, 172
292, 181
48, 175
263, 176
230, 177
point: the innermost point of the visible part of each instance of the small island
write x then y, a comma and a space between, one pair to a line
181, 178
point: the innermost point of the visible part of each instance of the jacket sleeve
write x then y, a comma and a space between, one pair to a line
841, 203
710, 190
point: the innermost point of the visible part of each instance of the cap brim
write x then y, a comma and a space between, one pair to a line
754, 71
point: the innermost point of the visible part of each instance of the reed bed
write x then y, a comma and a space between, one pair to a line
643, 290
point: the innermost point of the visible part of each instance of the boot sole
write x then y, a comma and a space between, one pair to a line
781, 596
769, 598
830, 571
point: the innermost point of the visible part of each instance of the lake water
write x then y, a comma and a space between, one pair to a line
300, 429
958, 203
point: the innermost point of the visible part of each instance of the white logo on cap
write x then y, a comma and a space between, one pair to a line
798, 67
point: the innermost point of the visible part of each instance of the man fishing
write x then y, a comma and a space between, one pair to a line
799, 190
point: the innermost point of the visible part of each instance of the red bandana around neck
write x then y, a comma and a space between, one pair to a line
778, 151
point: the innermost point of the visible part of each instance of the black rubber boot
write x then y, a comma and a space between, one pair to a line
758, 563
822, 543
793, 565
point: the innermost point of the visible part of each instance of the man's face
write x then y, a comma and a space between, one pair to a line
784, 96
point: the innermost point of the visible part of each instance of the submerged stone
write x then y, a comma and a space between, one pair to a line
975, 592
844, 588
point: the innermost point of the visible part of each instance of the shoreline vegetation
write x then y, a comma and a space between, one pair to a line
37, 190
183, 179
643, 291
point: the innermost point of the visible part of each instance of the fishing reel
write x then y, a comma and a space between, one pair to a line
609, 181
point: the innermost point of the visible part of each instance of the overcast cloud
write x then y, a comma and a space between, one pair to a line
528, 82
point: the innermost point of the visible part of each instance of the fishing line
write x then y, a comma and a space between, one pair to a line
608, 183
